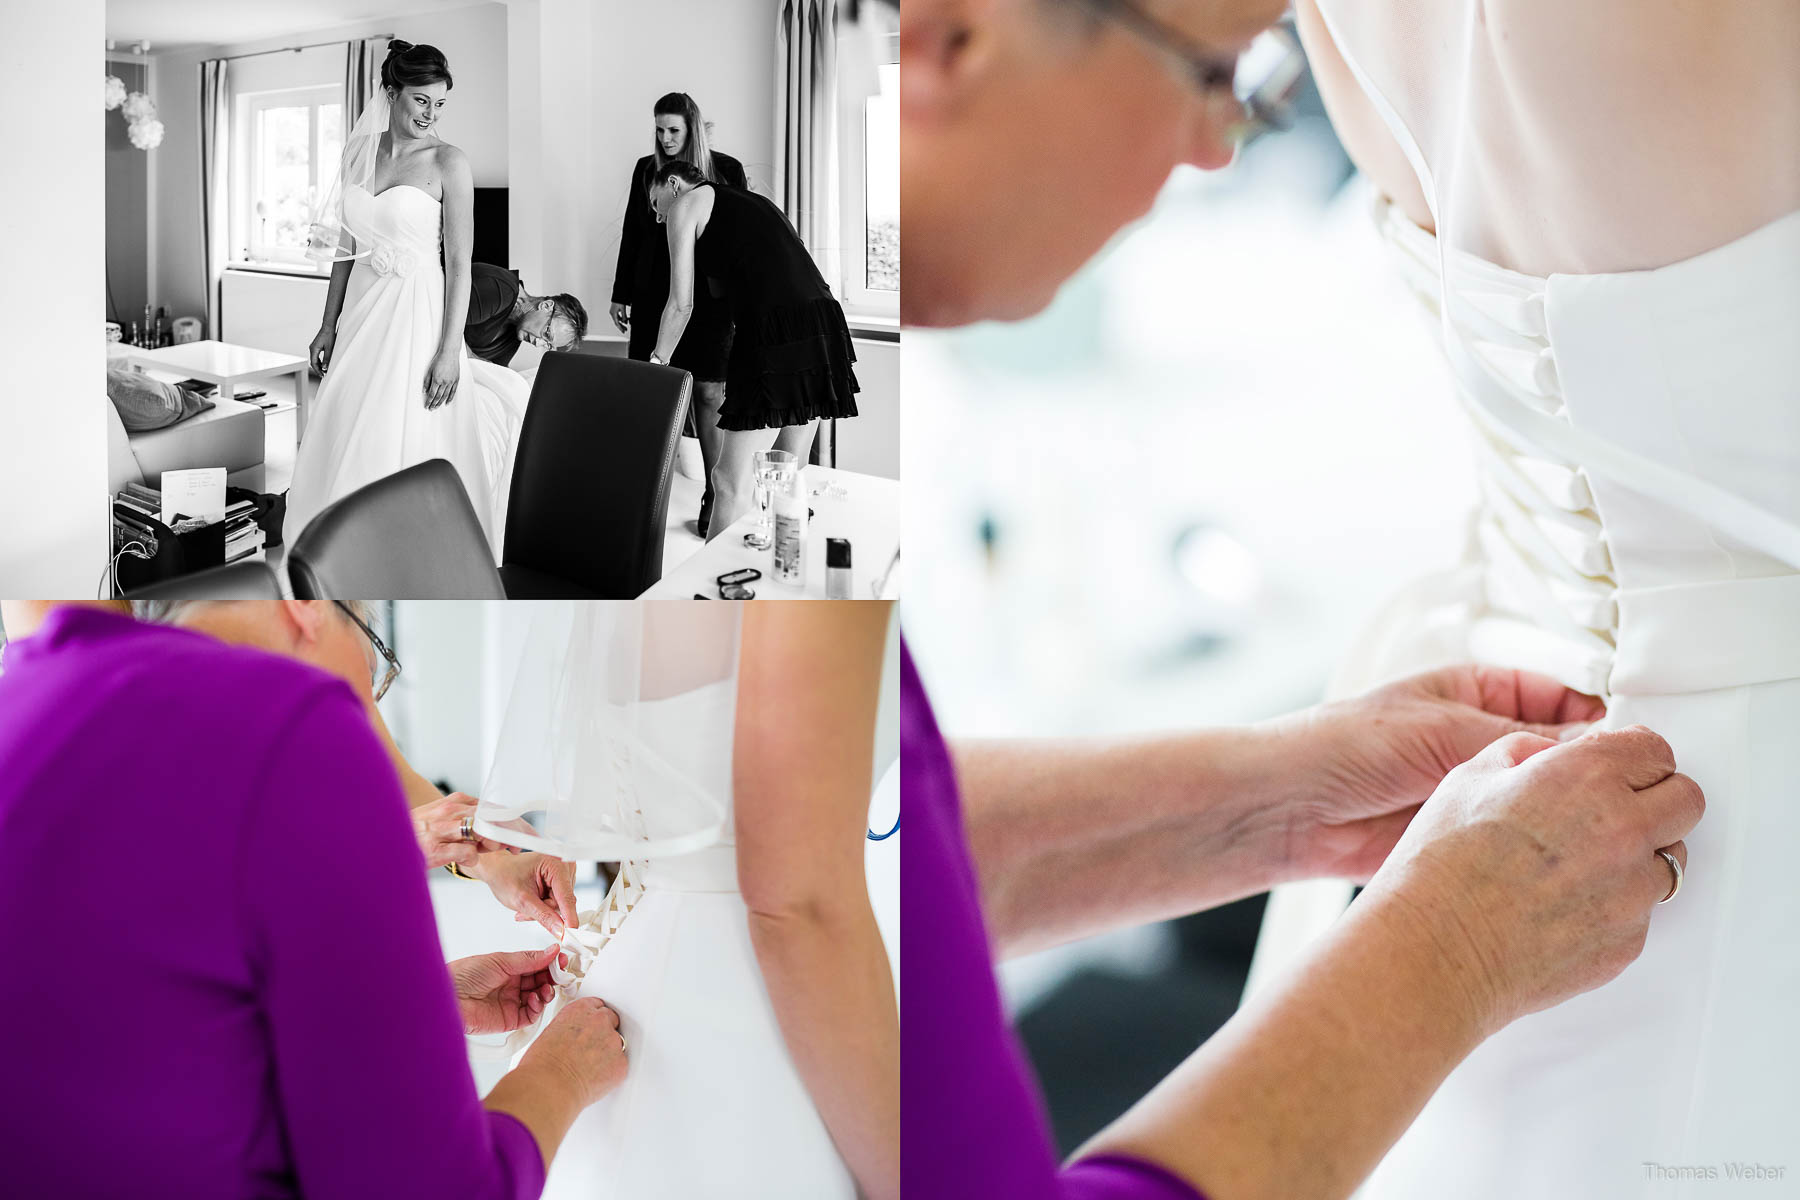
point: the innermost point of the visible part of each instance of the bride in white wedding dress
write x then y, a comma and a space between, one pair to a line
1599, 207
723, 760
399, 384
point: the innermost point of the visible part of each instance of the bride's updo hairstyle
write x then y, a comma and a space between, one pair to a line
407, 65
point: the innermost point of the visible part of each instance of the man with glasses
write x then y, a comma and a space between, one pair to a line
502, 314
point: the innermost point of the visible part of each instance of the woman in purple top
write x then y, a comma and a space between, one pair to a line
1512, 859
222, 971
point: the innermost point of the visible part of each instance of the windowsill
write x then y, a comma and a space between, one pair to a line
873, 326
277, 268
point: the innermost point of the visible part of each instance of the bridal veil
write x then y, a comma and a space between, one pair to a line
597, 755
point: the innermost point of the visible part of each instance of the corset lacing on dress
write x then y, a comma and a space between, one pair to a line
1549, 594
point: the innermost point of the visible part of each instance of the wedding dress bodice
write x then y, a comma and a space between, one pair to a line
1609, 582
401, 228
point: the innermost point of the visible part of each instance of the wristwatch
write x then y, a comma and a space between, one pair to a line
456, 870
657, 359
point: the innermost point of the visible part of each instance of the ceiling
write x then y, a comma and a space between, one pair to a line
184, 24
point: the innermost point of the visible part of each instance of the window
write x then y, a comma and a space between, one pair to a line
291, 141
871, 164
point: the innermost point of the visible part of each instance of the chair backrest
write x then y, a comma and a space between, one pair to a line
234, 581
412, 535
590, 483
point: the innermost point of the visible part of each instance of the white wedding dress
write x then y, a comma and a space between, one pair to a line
369, 418
1637, 442
618, 746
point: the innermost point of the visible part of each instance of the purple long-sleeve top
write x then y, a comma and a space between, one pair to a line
973, 1123
219, 973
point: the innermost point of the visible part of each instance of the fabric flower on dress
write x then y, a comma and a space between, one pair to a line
386, 260
139, 107
146, 135
115, 92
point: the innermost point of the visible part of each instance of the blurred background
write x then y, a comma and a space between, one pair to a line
1172, 500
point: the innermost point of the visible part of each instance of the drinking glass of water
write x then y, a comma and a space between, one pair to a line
774, 468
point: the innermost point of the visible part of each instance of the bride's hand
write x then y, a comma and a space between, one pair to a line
498, 993
1368, 763
621, 316
319, 353
536, 887
440, 381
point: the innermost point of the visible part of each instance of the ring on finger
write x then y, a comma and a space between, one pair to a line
621, 1041
1675, 866
466, 831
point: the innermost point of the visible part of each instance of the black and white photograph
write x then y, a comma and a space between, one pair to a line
501, 300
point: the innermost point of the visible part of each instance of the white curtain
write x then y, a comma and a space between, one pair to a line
362, 75
215, 138
806, 181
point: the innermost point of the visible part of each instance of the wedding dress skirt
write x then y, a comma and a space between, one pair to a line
1614, 587
712, 1104
369, 417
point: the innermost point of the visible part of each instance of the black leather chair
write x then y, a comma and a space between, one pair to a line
410, 536
590, 484
235, 581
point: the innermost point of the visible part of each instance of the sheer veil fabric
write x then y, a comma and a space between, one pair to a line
328, 239
593, 756
1615, 278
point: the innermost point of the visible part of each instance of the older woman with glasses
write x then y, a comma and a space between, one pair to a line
275, 1018
1512, 859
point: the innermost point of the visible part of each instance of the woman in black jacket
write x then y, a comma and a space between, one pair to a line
641, 283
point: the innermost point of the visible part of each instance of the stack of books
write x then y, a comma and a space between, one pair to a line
244, 538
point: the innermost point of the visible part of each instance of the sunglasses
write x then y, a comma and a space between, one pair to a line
379, 679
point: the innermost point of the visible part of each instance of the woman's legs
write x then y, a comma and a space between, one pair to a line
734, 485
708, 396
734, 488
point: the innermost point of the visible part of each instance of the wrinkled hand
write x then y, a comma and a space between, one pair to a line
498, 993
1369, 762
1533, 869
583, 1046
319, 353
438, 826
621, 316
441, 380
536, 887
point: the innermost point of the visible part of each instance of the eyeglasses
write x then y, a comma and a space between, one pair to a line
392, 673
1265, 77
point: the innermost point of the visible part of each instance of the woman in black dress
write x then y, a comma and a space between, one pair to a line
641, 282
790, 359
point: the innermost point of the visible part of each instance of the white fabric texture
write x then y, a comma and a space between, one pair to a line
369, 418
638, 764
1637, 438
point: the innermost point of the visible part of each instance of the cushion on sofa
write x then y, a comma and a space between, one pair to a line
145, 403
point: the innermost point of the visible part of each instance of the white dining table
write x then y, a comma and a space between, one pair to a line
865, 509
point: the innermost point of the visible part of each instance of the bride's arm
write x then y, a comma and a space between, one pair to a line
808, 681
459, 241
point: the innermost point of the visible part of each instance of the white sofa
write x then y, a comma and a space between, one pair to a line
228, 435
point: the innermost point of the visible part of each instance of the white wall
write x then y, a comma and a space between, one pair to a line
871, 442
587, 93
53, 523
474, 39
